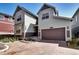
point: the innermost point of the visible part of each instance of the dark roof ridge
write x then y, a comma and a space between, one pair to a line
45, 4
75, 13
27, 11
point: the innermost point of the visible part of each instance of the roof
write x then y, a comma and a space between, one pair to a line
45, 6
5, 14
25, 10
61, 17
75, 13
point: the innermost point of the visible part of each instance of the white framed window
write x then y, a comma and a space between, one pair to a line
18, 31
67, 27
68, 33
19, 18
45, 16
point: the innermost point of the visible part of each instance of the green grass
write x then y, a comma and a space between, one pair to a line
7, 39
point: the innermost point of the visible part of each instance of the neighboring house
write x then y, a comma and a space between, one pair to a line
51, 26
6, 24
75, 24
25, 22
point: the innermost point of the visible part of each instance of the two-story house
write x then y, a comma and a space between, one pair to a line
6, 24
25, 22
51, 26
48, 25
75, 24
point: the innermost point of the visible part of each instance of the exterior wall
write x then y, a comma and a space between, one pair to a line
52, 22
75, 25
29, 23
26, 24
19, 24
51, 11
6, 25
75, 22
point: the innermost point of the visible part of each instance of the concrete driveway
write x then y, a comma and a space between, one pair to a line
37, 48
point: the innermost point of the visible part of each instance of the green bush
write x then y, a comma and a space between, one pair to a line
74, 43
78, 43
8, 38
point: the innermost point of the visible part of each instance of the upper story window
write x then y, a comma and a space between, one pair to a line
67, 27
76, 18
18, 31
19, 18
1, 17
68, 33
45, 16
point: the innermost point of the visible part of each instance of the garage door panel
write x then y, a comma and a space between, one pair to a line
54, 34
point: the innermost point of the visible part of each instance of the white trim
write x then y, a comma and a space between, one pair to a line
6, 33
62, 17
7, 22
76, 18
65, 34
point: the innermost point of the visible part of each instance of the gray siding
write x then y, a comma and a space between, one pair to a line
53, 22
75, 22
19, 24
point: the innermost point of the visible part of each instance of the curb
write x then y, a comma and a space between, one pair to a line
7, 47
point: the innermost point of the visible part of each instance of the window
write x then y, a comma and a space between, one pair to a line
68, 33
76, 18
1, 17
18, 31
67, 27
45, 16
19, 18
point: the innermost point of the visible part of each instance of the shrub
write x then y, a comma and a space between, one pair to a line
8, 38
73, 43
78, 43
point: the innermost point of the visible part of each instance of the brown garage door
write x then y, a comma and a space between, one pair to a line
54, 34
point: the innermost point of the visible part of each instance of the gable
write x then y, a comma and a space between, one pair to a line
26, 11
17, 9
46, 6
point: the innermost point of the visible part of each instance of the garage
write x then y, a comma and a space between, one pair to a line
54, 34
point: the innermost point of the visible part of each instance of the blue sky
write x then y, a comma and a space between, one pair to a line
65, 9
